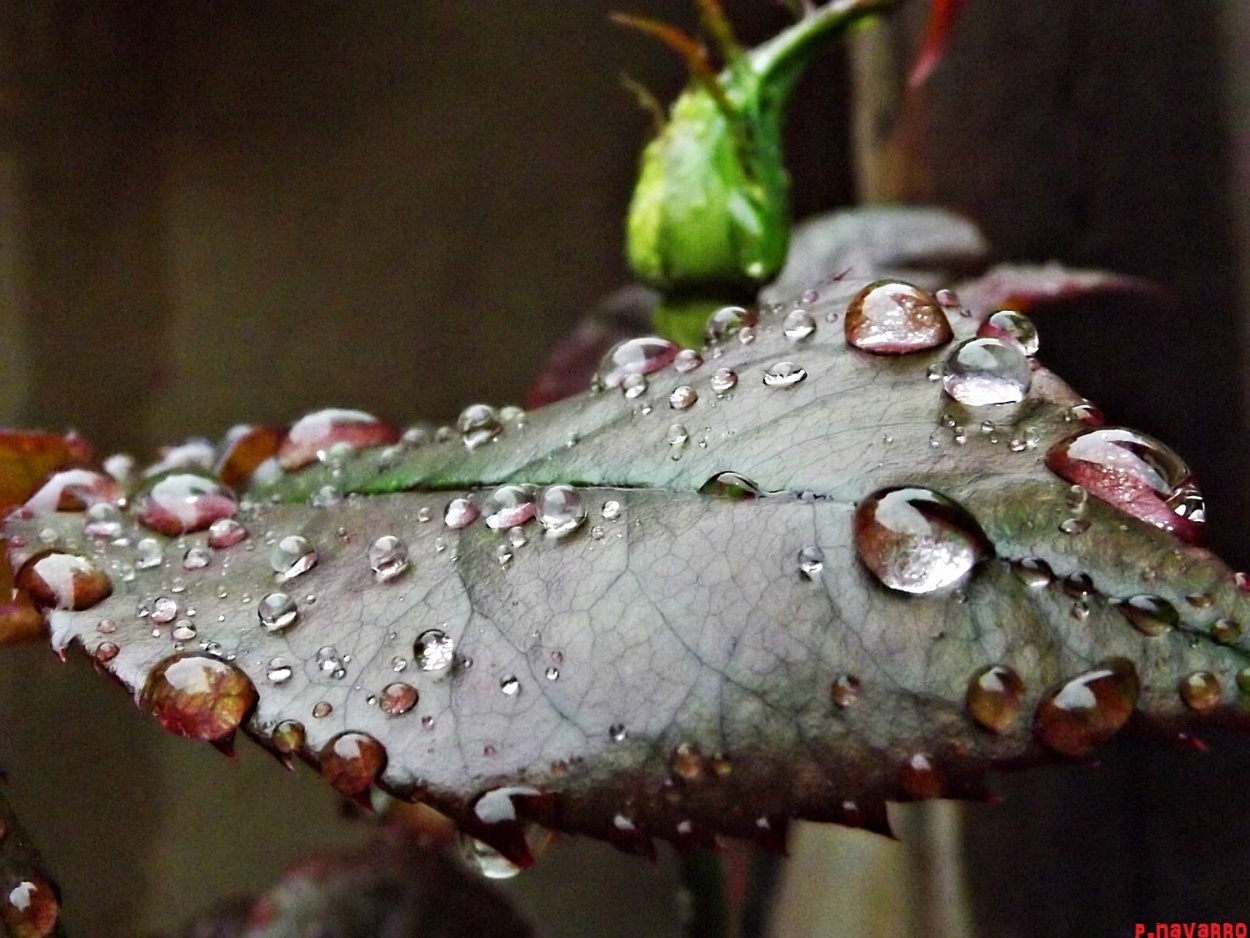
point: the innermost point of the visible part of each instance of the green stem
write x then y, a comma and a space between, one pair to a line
703, 877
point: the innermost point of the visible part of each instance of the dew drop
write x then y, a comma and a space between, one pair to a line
1150, 615
31, 907
509, 506
288, 737
1011, 326
611, 510
784, 375
724, 380
1226, 631
985, 371
182, 502
677, 437
460, 513
314, 436
919, 778
686, 762
1078, 585
198, 696
510, 685
1033, 572
895, 318
798, 325
106, 627
683, 397
291, 556
811, 562
634, 386
397, 698
106, 652
1074, 525
322, 709
1079, 715
225, 532
552, 674
57, 580
916, 540
725, 323
75, 490
994, 697
1200, 690
1137, 474
844, 691
433, 650
478, 424
183, 631
504, 554
616, 732
388, 558
351, 762
561, 510
730, 485
687, 360
331, 663
196, 558
634, 357
104, 520
164, 610
279, 670
277, 611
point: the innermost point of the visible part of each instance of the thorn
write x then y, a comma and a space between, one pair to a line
688, 48
647, 100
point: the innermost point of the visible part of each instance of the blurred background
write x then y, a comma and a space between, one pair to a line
242, 211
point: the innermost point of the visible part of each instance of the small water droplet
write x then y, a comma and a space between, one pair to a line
634, 386
616, 732
1075, 717
104, 520
1074, 525
225, 532
504, 554
552, 674
798, 325
183, 502
388, 558
1078, 585
164, 610
277, 611
634, 358
1011, 326
844, 691
460, 513
106, 627
322, 709
279, 670
509, 506
1226, 631
724, 380
784, 375
331, 663
478, 424
1150, 615
561, 510
510, 685
895, 318
811, 562
433, 650
611, 510
351, 762
198, 696
725, 323
994, 697
106, 652
292, 556
919, 777
397, 698
687, 360
683, 397
985, 371
1200, 690
730, 485
183, 631
1033, 572
916, 540
288, 737
196, 558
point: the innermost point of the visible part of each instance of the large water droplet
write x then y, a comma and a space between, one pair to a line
351, 762
433, 650
1200, 690
561, 510
1137, 474
1010, 326
641, 356
313, 437
916, 540
397, 698
388, 558
291, 556
198, 696
30, 907
895, 318
1150, 615
58, 580
509, 506
1079, 715
985, 371
180, 503
478, 424
784, 375
277, 611
994, 697
75, 490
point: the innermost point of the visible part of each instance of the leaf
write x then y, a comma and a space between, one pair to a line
695, 661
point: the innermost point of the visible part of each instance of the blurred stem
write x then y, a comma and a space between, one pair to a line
703, 877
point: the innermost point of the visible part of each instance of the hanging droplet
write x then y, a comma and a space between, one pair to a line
1033, 572
1011, 326
460, 513
1150, 615
985, 371
811, 562
485, 859
844, 691
561, 510
433, 650
30, 907
388, 558
510, 685
895, 318
641, 356
783, 375
331, 663
181, 503
1079, 715
724, 380
994, 697
225, 532
288, 738
313, 436
291, 556
1200, 690
279, 670
397, 698
919, 778
683, 398
57, 580
351, 762
1137, 474
916, 540
198, 696
509, 506
798, 325
277, 611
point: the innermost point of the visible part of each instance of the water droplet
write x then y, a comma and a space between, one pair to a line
1200, 690
552, 674
1079, 715
1137, 474
1033, 572
634, 357
57, 580
1078, 585
288, 737
504, 554
919, 778
730, 485
994, 697
31, 907
198, 696
844, 691
798, 325
181, 503
322, 709
388, 558
397, 698
164, 610
277, 611
725, 323
106, 652
811, 562
485, 859
1011, 326
1150, 615
106, 627
510, 685
312, 437
225, 532
611, 510
104, 520
686, 762
916, 540
351, 762
291, 556
616, 732
677, 437
331, 663
433, 650
75, 490
279, 670
1226, 631
687, 360
724, 380
683, 397
509, 506
196, 558
183, 631
478, 424
517, 538
984, 371
460, 513
561, 510
1074, 525
784, 375
634, 386
895, 318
